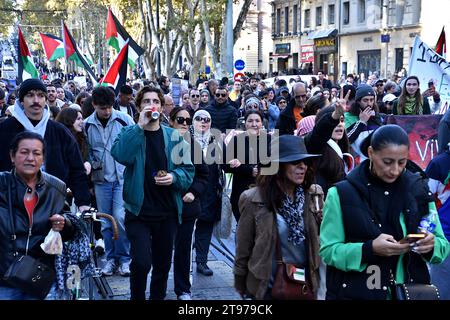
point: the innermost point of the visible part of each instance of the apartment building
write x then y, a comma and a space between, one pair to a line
352, 36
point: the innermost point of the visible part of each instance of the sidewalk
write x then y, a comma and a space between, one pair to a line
220, 286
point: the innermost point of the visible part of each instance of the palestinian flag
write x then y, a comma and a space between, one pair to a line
71, 52
27, 69
117, 73
53, 46
116, 35
441, 46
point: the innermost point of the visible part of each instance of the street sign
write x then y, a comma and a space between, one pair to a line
238, 76
207, 69
239, 64
385, 38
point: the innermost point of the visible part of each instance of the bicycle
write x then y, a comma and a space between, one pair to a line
82, 288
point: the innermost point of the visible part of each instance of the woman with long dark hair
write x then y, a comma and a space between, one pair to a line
286, 208
410, 101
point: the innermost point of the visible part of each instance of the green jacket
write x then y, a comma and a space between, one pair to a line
335, 251
129, 150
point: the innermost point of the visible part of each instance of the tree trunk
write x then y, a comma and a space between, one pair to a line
209, 43
240, 21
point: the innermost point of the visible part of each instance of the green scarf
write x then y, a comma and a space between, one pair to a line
410, 106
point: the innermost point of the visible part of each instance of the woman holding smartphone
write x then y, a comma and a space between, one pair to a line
366, 216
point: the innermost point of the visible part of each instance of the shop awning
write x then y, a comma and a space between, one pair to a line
322, 34
280, 56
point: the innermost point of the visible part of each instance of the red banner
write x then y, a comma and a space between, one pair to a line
422, 131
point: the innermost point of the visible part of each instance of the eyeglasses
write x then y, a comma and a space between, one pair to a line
195, 96
302, 96
206, 120
223, 95
380, 85
282, 101
181, 120
253, 106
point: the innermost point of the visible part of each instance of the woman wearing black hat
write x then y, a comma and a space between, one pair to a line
284, 207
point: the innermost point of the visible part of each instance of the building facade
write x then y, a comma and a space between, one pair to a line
255, 40
351, 36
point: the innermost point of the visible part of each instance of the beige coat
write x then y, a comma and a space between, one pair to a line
256, 238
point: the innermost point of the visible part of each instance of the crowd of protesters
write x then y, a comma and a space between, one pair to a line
331, 208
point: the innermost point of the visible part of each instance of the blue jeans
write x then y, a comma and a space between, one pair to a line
110, 201
440, 277
9, 293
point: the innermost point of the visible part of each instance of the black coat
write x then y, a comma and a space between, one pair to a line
223, 117
359, 197
286, 121
51, 194
62, 156
243, 178
191, 210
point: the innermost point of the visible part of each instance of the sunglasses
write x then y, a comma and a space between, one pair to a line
380, 85
181, 120
297, 162
223, 95
195, 96
206, 120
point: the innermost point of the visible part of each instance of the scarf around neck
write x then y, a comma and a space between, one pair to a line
292, 212
19, 113
410, 106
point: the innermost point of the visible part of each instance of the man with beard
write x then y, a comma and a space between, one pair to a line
223, 114
63, 157
289, 117
52, 100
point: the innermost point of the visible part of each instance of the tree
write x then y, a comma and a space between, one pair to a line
8, 15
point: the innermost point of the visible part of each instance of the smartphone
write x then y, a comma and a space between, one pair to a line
412, 237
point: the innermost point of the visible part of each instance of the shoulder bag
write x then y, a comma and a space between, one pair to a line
26, 273
285, 286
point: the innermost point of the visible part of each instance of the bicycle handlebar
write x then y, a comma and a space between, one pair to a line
113, 222
92, 214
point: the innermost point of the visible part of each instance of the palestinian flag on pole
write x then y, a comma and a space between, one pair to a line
27, 69
441, 46
117, 73
71, 52
53, 46
116, 35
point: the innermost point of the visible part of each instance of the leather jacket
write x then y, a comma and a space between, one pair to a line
51, 195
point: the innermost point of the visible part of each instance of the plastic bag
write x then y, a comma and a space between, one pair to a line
52, 243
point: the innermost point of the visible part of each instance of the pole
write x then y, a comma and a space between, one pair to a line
158, 56
230, 40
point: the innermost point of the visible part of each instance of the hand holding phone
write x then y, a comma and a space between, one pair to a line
413, 237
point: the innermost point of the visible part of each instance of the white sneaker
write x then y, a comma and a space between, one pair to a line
124, 269
185, 296
109, 268
100, 246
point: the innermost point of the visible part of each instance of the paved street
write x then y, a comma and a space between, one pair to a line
217, 287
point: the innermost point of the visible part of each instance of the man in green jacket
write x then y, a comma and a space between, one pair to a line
158, 172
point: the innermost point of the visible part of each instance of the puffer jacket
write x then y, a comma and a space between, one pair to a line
51, 194
256, 239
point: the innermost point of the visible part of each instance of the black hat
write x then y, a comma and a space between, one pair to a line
292, 148
31, 84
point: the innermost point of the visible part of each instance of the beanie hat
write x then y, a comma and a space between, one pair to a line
364, 90
31, 84
251, 101
204, 90
283, 89
306, 125
279, 98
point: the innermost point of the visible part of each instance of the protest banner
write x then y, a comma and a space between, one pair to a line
422, 132
427, 65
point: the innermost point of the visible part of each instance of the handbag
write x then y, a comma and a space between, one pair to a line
285, 286
222, 228
416, 291
26, 273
